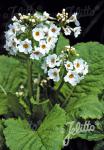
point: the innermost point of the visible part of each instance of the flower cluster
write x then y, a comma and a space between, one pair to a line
37, 35
75, 71
66, 21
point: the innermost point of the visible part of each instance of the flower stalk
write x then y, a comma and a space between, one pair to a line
30, 86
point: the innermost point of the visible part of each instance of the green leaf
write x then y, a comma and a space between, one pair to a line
12, 74
3, 104
90, 86
49, 135
87, 108
9, 104
1, 135
62, 42
92, 136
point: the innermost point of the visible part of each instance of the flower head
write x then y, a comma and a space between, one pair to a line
68, 65
38, 34
72, 77
54, 74
25, 46
54, 31
80, 66
36, 54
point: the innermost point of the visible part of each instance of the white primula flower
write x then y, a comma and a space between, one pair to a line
72, 77
68, 65
51, 41
36, 54
54, 74
80, 66
10, 34
67, 30
74, 19
12, 46
46, 15
44, 48
25, 46
38, 34
52, 61
17, 27
77, 31
54, 31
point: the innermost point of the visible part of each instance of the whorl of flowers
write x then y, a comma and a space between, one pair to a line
37, 35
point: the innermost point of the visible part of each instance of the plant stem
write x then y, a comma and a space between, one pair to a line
38, 89
62, 82
30, 87
60, 86
68, 98
3, 90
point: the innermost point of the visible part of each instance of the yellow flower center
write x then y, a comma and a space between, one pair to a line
53, 60
25, 46
43, 46
37, 33
68, 65
55, 74
53, 30
71, 76
77, 65
36, 53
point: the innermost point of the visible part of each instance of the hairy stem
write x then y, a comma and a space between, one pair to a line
3, 90
38, 89
30, 86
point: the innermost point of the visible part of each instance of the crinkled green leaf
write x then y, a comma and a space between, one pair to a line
91, 85
87, 108
62, 42
9, 104
49, 135
12, 74
92, 136
3, 104
1, 135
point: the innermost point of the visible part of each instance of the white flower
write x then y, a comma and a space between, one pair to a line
74, 19
54, 74
80, 66
38, 34
68, 65
46, 15
25, 46
44, 49
54, 31
67, 30
52, 61
17, 27
12, 46
77, 31
51, 41
36, 54
72, 77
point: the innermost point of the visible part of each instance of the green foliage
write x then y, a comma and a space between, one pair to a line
87, 108
3, 104
62, 42
1, 135
12, 74
91, 86
48, 136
